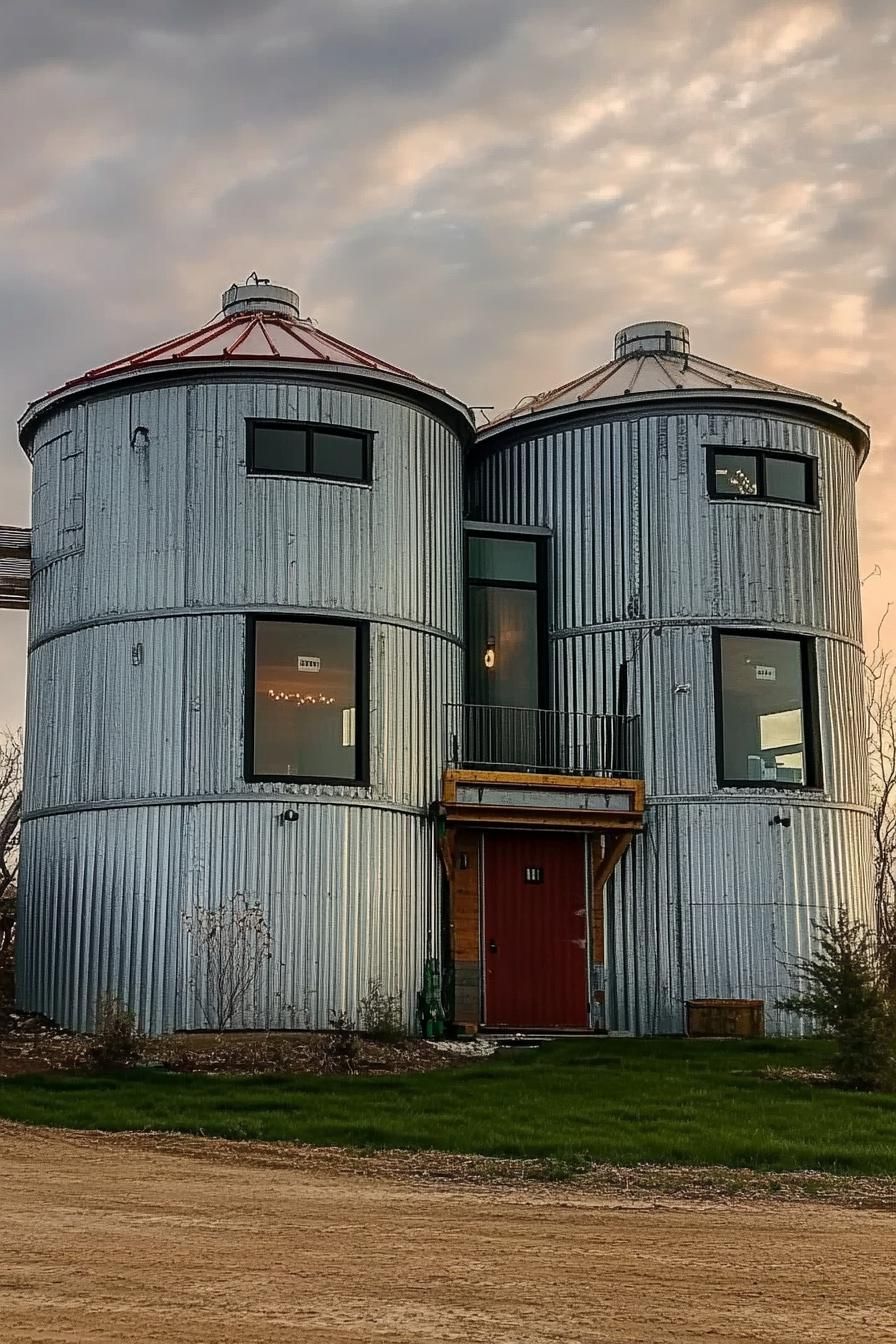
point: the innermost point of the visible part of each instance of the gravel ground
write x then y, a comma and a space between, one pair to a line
158, 1238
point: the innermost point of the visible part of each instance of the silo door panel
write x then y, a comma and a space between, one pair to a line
535, 931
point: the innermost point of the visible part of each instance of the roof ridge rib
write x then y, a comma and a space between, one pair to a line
369, 360
142, 356
634, 377
250, 327
606, 371
750, 378
289, 328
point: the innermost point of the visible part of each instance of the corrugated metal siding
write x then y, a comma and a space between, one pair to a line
350, 895
671, 687
168, 497
714, 895
171, 527
636, 534
715, 900
173, 726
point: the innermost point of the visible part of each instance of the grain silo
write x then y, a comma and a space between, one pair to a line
700, 572
246, 616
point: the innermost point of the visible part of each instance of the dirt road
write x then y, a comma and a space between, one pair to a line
116, 1239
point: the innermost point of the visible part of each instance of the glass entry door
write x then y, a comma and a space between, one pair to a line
505, 652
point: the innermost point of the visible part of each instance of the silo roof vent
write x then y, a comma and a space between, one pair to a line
652, 338
259, 296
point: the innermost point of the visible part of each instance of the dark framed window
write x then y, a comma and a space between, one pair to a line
766, 694
751, 474
306, 700
294, 448
506, 647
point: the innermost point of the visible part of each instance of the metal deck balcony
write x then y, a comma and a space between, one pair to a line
542, 741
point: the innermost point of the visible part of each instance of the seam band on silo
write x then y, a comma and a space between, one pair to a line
688, 622
176, 613
206, 799
796, 799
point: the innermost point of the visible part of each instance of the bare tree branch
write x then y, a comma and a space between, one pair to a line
10, 822
880, 686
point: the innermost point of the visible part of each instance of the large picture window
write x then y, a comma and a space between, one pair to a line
766, 710
292, 448
306, 711
777, 478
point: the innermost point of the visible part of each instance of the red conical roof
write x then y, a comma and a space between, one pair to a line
260, 325
248, 336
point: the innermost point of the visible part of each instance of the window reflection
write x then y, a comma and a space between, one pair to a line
502, 646
736, 474
289, 448
763, 710
304, 698
503, 621
781, 478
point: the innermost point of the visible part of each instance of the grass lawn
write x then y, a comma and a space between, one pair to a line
618, 1101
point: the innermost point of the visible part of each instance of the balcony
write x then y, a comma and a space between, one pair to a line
542, 741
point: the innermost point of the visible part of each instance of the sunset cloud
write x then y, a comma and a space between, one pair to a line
482, 191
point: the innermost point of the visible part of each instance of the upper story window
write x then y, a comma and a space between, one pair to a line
748, 474
292, 448
766, 710
306, 708
505, 643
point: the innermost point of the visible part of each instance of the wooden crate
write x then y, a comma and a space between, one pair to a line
725, 1017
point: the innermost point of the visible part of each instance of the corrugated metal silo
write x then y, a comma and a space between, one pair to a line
249, 522
704, 575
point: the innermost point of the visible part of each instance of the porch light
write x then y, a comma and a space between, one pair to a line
489, 659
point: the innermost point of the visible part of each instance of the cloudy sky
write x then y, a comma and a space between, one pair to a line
480, 190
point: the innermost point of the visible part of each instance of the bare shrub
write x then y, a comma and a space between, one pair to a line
880, 685
341, 1048
380, 1013
116, 1041
10, 824
229, 949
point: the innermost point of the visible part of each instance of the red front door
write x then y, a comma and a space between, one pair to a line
535, 930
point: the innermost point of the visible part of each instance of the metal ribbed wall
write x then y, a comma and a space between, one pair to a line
136, 803
644, 565
636, 535
716, 900
349, 893
189, 529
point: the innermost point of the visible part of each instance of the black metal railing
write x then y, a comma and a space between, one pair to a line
498, 737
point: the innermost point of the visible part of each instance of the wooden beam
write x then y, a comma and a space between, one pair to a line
15, 568
528, 818
522, 779
446, 851
615, 845
15, 543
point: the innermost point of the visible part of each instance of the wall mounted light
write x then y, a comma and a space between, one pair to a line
489, 658
137, 655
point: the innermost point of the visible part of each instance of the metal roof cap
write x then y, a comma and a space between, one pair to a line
260, 297
664, 338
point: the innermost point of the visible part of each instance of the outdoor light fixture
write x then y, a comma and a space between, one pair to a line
489, 659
